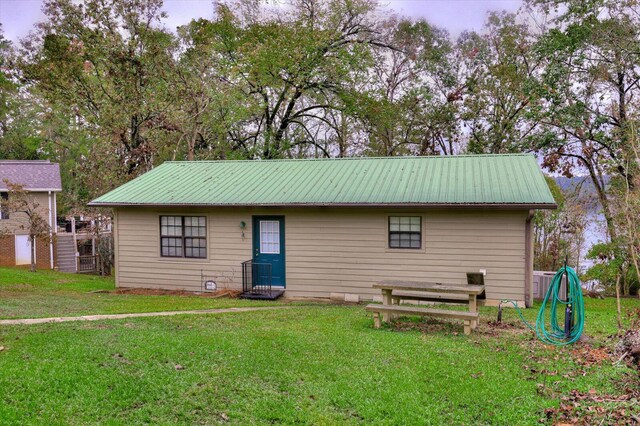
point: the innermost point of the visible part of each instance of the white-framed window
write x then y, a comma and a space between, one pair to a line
405, 232
183, 236
270, 237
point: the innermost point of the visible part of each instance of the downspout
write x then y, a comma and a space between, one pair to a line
50, 230
55, 220
75, 242
116, 250
528, 261
55, 212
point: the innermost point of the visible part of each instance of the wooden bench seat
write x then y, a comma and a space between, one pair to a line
468, 317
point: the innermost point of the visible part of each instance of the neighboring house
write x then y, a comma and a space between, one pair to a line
331, 227
42, 180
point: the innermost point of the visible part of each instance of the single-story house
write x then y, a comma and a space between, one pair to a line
331, 226
42, 180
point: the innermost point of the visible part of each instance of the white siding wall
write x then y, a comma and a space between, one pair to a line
333, 250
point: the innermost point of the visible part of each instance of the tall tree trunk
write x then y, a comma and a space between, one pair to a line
629, 215
604, 202
618, 302
192, 146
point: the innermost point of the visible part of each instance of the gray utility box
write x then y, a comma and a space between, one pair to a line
542, 282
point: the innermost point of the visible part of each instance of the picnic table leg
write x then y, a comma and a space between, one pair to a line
376, 320
468, 325
394, 301
386, 300
473, 307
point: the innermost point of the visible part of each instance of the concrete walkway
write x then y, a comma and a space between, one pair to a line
30, 321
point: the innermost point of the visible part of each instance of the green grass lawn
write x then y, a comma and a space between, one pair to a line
306, 365
25, 294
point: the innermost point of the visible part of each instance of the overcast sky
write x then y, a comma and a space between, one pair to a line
18, 16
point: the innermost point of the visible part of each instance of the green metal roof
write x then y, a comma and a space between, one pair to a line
484, 180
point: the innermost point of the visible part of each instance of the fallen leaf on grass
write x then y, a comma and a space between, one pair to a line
179, 367
592, 408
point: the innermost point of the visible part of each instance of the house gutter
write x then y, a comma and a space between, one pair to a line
55, 221
2, 188
387, 205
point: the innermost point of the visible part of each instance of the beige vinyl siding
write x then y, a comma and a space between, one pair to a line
18, 223
332, 250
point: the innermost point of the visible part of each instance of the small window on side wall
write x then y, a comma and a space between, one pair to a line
4, 209
405, 232
183, 236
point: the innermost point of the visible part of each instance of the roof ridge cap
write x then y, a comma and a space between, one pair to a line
398, 157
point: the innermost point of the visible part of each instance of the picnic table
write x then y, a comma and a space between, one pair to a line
395, 291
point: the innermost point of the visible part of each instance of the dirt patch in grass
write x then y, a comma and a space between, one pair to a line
182, 293
495, 328
577, 407
587, 355
503, 325
426, 326
431, 325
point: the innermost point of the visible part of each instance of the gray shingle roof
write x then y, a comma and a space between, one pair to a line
34, 175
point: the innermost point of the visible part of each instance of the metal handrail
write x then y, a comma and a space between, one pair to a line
256, 277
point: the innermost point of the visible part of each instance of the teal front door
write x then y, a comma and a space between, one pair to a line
268, 246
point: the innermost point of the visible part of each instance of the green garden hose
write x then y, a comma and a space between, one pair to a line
559, 334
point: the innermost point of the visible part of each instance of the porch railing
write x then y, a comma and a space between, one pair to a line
256, 277
87, 263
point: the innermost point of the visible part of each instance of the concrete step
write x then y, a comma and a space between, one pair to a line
67, 268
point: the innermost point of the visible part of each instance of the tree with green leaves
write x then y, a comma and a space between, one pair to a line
18, 110
287, 67
409, 100
584, 94
559, 233
8, 88
500, 62
100, 67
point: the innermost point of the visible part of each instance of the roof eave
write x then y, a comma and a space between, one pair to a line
36, 189
527, 206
